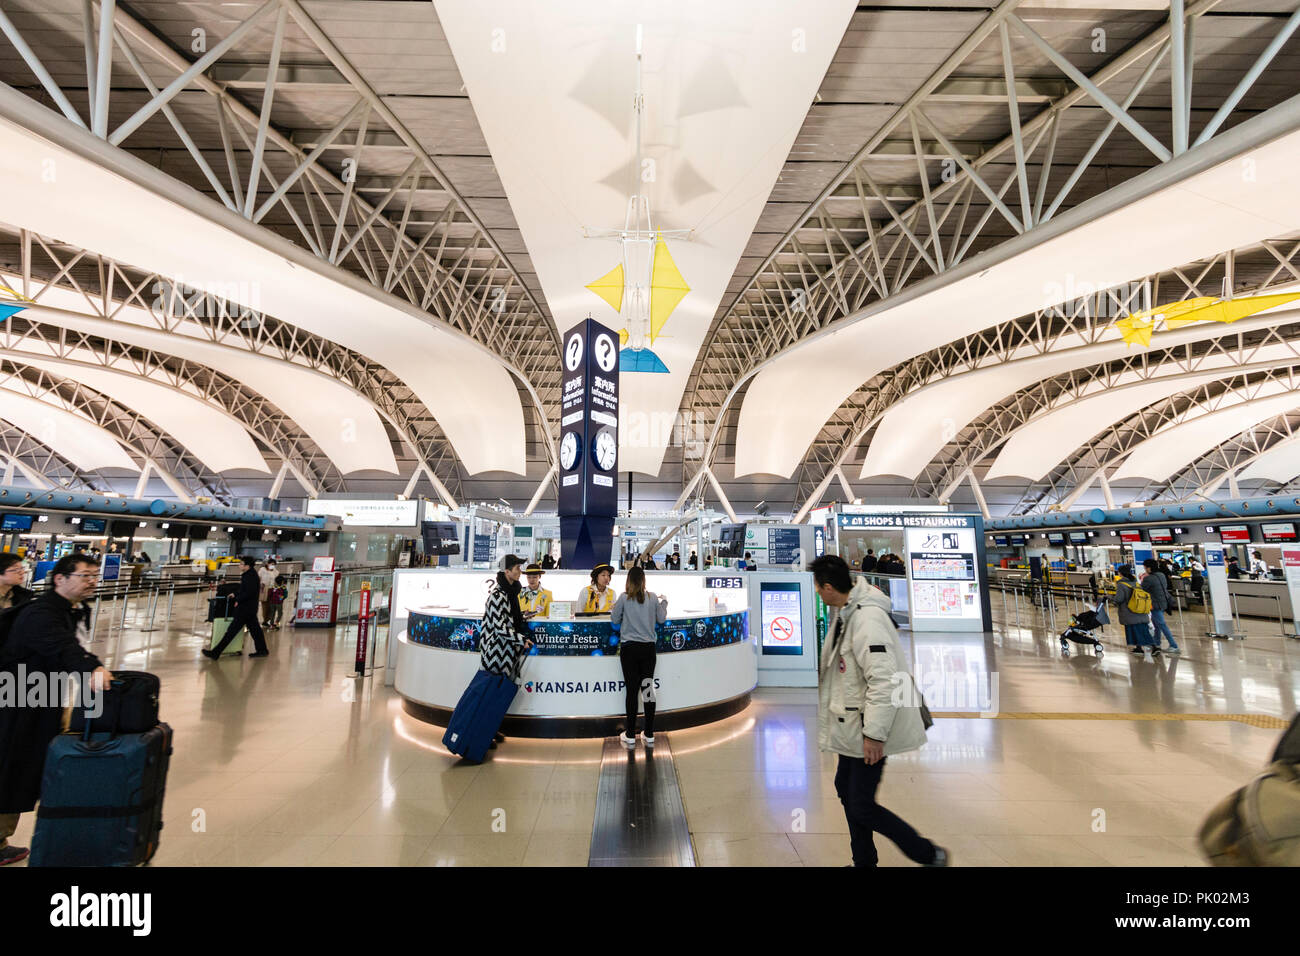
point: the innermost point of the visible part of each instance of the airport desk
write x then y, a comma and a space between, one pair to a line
708, 658
1266, 599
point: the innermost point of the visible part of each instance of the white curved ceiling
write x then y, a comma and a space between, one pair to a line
345, 425
1180, 444
473, 397
1280, 463
727, 87
788, 401
213, 437
84, 444
916, 429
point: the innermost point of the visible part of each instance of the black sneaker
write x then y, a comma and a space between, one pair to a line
261, 654
12, 854
210, 654
941, 857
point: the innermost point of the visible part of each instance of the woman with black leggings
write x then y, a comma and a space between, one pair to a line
637, 613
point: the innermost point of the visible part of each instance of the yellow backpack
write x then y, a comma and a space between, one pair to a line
1139, 602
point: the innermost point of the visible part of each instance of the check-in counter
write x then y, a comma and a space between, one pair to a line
1266, 599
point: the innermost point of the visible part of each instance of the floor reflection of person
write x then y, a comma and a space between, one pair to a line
597, 597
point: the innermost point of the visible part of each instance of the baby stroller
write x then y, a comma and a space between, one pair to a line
1081, 627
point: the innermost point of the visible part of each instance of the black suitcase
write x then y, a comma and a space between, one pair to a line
102, 799
130, 705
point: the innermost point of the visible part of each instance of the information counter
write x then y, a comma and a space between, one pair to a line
572, 681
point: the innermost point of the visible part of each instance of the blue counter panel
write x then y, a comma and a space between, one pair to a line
580, 638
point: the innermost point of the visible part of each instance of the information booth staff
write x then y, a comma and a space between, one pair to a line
535, 600
597, 597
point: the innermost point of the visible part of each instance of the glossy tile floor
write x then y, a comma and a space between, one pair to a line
1090, 761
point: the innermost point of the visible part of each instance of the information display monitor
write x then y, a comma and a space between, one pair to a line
16, 522
779, 617
94, 525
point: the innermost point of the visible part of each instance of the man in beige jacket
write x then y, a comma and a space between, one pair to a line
868, 707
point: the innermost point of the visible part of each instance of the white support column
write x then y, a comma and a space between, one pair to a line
169, 479
979, 495
844, 482
814, 499
278, 484
953, 486
415, 478
1105, 490
541, 487
1068, 501
686, 492
1233, 489
9, 472
143, 481
717, 488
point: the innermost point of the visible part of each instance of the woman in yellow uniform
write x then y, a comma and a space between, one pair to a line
597, 597
535, 600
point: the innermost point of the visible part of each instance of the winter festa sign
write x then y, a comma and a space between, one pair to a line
588, 444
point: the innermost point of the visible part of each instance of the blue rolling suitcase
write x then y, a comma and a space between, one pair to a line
102, 798
478, 715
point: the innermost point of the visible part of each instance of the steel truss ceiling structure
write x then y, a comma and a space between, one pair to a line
938, 136
1024, 121
271, 118
105, 287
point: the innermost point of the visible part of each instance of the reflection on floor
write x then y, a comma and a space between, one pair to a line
288, 761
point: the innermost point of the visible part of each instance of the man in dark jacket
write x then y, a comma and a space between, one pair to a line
44, 642
869, 562
245, 615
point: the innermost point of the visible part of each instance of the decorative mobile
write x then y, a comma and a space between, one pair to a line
646, 286
11, 308
1139, 327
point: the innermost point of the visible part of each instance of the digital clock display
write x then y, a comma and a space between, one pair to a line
727, 582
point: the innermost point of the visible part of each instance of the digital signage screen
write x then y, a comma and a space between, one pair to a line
1130, 536
1001, 540
1234, 533
731, 541
440, 537
1160, 536
1284, 531
1078, 537
1055, 537
780, 618
1018, 539
15, 522
93, 525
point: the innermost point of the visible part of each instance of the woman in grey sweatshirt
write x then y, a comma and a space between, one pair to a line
637, 613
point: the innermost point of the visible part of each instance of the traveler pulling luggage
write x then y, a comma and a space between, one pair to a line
102, 791
503, 642
221, 610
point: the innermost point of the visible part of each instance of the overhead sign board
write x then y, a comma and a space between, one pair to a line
367, 514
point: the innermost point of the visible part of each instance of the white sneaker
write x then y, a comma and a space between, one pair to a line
626, 741
648, 740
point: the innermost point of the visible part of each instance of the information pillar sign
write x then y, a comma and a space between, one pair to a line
588, 444
363, 628
1216, 579
1291, 568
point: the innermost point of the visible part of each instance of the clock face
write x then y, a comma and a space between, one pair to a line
568, 450
605, 450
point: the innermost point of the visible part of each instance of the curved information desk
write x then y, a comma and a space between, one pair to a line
572, 682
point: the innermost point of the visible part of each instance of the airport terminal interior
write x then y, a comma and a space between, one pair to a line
935, 367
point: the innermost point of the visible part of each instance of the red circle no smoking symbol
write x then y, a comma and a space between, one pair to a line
781, 629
